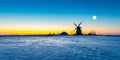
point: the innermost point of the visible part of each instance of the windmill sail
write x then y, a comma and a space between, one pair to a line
80, 23
78, 29
75, 24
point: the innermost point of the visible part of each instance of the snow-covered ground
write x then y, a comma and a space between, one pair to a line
60, 48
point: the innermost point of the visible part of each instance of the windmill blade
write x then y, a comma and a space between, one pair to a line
75, 24
74, 30
80, 23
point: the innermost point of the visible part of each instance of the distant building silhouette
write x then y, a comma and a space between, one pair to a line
78, 29
92, 33
63, 33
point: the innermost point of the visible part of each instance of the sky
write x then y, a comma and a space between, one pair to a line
55, 16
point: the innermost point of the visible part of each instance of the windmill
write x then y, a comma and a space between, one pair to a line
78, 29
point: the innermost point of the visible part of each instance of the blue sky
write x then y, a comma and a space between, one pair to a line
60, 6
58, 13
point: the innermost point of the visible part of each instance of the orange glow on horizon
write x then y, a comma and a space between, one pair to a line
25, 32
69, 31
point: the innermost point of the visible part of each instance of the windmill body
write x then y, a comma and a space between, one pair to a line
78, 29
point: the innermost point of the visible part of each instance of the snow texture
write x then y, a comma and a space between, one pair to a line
60, 48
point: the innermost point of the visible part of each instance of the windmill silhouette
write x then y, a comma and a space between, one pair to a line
78, 29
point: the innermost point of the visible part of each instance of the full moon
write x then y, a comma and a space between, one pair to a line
94, 17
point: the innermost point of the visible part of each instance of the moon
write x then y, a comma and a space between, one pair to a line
94, 17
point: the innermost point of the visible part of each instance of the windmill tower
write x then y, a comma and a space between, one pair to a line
78, 29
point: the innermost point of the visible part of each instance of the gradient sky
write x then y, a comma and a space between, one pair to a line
45, 16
